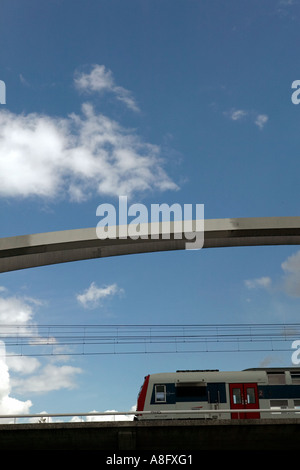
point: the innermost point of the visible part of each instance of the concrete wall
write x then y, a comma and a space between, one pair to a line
165, 436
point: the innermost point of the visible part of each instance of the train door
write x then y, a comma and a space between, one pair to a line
244, 397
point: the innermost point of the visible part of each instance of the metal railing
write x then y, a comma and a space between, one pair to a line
129, 415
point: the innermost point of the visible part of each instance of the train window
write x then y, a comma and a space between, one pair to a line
295, 377
189, 391
236, 396
250, 395
297, 404
278, 405
160, 393
276, 378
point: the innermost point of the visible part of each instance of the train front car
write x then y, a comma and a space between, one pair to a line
249, 394
142, 397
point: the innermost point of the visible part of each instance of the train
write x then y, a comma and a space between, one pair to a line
257, 393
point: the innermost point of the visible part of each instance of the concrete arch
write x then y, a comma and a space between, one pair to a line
28, 251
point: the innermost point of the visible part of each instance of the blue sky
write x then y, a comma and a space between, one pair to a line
168, 101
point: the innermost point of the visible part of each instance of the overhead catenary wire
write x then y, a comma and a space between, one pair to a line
94, 339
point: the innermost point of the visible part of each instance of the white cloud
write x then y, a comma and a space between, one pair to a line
50, 378
9, 405
100, 80
236, 115
14, 311
17, 316
80, 155
24, 374
263, 282
292, 264
93, 295
291, 281
23, 364
108, 416
261, 120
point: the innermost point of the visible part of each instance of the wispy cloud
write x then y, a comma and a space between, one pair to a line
49, 378
260, 120
287, 2
94, 294
289, 282
287, 9
23, 80
100, 80
263, 282
291, 269
237, 114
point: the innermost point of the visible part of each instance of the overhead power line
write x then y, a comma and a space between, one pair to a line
92, 339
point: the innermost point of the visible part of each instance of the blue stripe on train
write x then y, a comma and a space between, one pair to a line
278, 391
214, 393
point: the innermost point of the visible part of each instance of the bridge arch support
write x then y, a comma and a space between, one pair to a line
28, 251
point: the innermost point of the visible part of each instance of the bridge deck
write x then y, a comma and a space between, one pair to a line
26, 251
